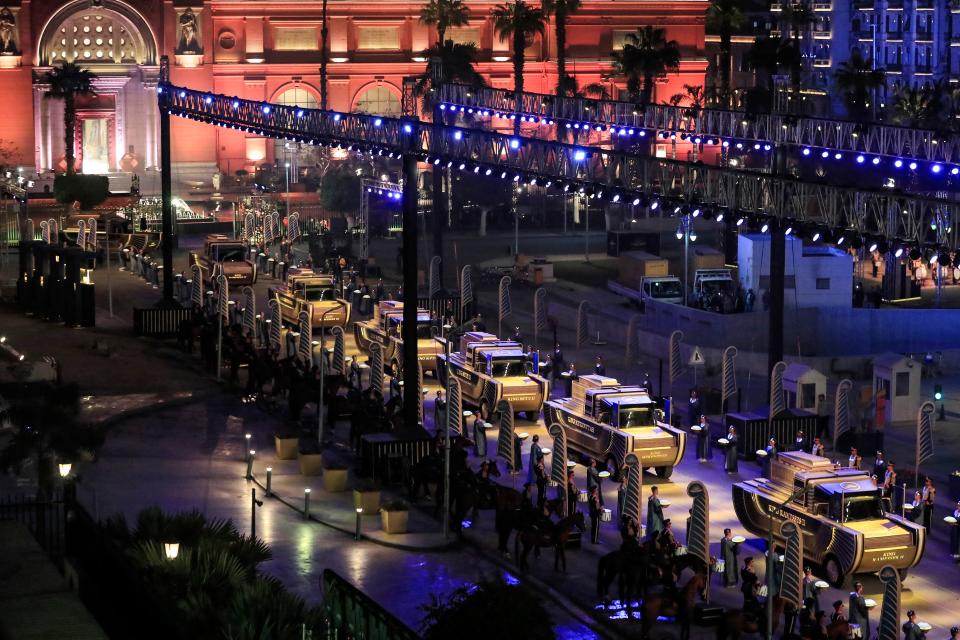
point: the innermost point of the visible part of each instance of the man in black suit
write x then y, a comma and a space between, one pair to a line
879, 466
810, 589
859, 614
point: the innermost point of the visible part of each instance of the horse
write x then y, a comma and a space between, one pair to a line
631, 568
556, 537
467, 494
673, 602
508, 517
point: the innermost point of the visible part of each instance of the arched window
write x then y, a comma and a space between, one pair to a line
297, 155
378, 100
110, 33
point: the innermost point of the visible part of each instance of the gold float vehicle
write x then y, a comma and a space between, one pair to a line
847, 527
490, 370
222, 255
385, 329
313, 292
607, 421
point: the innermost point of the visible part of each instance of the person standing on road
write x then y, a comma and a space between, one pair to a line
557, 360
799, 441
955, 533
598, 367
771, 452
569, 376
838, 615
911, 629
595, 508
572, 493
693, 407
854, 461
593, 478
859, 614
817, 448
929, 494
703, 439
879, 465
748, 586
439, 412
654, 514
536, 457
479, 436
729, 550
730, 455
810, 588
622, 496
517, 336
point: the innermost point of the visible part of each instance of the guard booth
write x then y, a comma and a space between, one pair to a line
802, 386
896, 388
754, 428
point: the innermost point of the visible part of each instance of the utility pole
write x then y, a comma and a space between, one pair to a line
166, 190
409, 329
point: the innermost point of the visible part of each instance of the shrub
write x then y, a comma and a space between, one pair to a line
89, 191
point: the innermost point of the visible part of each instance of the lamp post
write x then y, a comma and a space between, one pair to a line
323, 362
306, 503
254, 503
686, 232
286, 167
359, 515
250, 458
171, 550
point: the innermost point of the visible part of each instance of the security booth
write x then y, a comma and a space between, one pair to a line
755, 428
803, 385
896, 388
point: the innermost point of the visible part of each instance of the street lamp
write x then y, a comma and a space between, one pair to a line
171, 550
64, 468
686, 232
286, 166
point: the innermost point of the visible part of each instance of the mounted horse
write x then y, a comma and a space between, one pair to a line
672, 602
556, 537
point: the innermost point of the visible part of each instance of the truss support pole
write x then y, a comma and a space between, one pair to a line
778, 246
166, 190
439, 201
409, 330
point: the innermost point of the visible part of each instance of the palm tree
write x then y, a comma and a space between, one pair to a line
692, 93
646, 56
444, 14
561, 10
456, 65
798, 17
917, 106
723, 18
519, 21
858, 81
765, 57
68, 81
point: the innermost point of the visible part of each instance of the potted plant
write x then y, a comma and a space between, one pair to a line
286, 441
311, 461
334, 475
394, 515
366, 496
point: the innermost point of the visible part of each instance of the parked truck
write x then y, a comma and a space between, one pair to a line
606, 421
714, 289
221, 254
847, 527
313, 292
490, 370
659, 288
385, 329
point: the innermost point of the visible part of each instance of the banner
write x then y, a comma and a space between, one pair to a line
45, 231
505, 448
276, 326
558, 464
698, 524
223, 298
27, 232
249, 228
466, 289
293, 227
728, 381
54, 229
503, 303
339, 358
539, 313
676, 362
889, 627
841, 410
305, 339
82, 234
582, 327
632, 501
924, 435
376, 367
92, 236
250, 313
778, 402
791, 582
454, 407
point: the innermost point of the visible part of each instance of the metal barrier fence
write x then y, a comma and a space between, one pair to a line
352, 612
159, 323
44, 520
442, 307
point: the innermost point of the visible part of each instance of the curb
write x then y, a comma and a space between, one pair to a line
390, 545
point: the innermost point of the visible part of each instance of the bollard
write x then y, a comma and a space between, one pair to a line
250, 464
306, 504
247, 437
272, 267
356, 535
269, 481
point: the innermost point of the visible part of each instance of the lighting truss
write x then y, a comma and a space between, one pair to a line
611, 175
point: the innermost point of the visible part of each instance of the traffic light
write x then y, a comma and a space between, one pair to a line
938, 392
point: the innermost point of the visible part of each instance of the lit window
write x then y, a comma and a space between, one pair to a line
378, 100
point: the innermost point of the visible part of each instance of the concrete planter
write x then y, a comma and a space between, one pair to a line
394, 521
286, 447
368, 500
334, 480
311, 464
